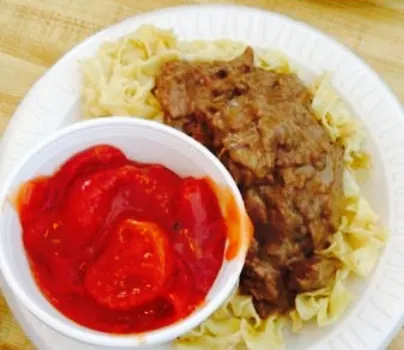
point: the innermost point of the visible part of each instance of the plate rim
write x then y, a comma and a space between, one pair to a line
17, 116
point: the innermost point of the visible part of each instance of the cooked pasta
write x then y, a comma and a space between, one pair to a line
120, 79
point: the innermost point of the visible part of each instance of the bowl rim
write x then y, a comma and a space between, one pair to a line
136, 340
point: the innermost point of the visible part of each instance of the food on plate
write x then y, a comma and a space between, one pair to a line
260, 124
292, 149
120, 246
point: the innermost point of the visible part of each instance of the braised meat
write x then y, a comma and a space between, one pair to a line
261, 126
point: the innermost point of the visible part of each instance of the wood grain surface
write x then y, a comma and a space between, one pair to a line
34, 34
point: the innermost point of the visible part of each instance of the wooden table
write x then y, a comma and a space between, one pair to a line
35, 33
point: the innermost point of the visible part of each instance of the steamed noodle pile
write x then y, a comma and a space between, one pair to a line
119, 81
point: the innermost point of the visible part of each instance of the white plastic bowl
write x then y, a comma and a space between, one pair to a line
143, 141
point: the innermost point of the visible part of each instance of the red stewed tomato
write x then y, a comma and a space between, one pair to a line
119, 246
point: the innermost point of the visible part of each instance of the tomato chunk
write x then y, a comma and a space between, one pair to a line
86, 206
134, 267
179, 294
32, 199
198, 205
155, 190
93, 158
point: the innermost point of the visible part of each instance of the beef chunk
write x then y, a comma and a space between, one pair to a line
312, 274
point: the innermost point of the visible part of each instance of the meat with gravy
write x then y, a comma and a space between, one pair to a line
261, 126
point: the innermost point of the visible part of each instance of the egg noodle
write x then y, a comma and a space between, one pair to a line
119, 81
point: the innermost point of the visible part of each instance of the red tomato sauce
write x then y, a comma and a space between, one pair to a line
119, 246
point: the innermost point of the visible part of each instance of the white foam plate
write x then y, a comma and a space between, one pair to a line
378, 310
